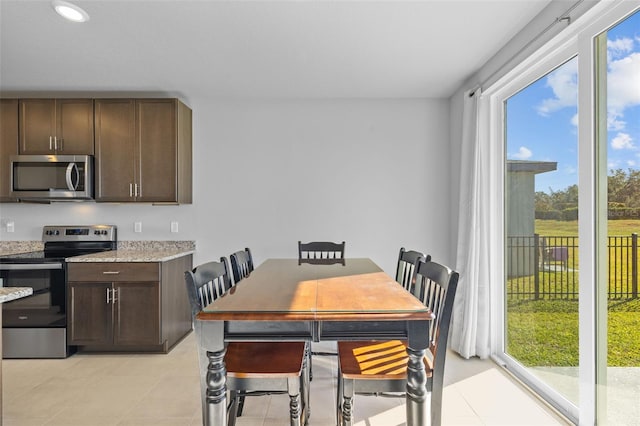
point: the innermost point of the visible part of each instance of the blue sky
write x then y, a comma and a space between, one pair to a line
542, 118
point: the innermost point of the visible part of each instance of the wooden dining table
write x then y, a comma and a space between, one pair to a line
285, 300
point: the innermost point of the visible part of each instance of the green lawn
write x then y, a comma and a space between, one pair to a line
545, 332
570, 229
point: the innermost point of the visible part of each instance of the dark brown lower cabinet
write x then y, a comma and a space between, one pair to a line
128, 306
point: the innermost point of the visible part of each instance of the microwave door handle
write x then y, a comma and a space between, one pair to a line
72, 168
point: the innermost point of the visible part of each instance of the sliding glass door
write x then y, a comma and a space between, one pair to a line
569, 126
541, 214
618, 331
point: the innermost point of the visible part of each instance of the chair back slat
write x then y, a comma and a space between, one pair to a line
205, 283
436, 285
241, 264
407, 261
322, 251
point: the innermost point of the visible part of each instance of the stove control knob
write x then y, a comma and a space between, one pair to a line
96, 232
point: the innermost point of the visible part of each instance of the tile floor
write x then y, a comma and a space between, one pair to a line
100, 390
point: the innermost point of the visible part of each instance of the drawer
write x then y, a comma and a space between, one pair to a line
108, 271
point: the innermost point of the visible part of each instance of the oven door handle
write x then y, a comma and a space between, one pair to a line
29, 266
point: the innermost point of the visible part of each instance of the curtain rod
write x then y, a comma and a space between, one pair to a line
564, 17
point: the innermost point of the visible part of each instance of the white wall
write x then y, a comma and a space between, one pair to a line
268, 173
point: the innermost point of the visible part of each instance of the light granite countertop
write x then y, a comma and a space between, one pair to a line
9, 248
132, 255
128, 251
8, 294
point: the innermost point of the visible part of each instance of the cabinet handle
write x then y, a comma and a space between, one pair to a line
114, 294
55, 142
50, 142
61, 144
130, 190
111, 272
108, 295
138, 193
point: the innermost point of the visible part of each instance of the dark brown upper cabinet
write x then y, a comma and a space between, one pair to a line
56, 126
8, 144
143, 151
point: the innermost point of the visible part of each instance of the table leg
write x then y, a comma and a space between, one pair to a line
418, 401
213, 373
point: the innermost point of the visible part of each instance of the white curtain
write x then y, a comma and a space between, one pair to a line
471, 316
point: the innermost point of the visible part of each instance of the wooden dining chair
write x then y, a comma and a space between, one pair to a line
241, 264
253, 368
321, 252
407, 260
380, 367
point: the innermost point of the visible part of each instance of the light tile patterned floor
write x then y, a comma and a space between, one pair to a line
139, 390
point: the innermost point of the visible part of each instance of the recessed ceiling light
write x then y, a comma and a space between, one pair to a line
70, 11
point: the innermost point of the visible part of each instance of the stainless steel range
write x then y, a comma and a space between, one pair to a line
36, 326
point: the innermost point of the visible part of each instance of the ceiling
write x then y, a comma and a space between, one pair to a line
256, 49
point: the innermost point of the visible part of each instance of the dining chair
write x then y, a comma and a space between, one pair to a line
321, 252
380, 367
241, 264
253, 368
407, 260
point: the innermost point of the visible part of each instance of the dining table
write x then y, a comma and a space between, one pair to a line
289, 300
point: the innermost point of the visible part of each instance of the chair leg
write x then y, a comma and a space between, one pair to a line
232, 411
339, 395
305, 391
309, 356
293, 388
435, 386
347, 402
240, 403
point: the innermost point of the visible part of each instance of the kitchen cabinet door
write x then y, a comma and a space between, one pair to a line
158, 150
56, 126
137, 311
37, 126
116, 149
8, 144
90, 315
143, 151
74, 127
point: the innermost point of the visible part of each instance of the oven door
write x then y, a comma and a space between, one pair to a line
46, 308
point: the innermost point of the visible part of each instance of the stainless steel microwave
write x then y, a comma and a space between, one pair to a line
52, 177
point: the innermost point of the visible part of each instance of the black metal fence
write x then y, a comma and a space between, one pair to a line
547, 267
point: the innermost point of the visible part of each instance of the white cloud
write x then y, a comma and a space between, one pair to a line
564, 83
614, 123
574, 120
523, 153
622, 141
623, 89
619, 47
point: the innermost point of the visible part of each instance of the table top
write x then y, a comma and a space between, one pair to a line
283, 289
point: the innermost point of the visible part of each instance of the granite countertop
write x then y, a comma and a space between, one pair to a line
9, 248
127, 251
8, 294
132, 255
